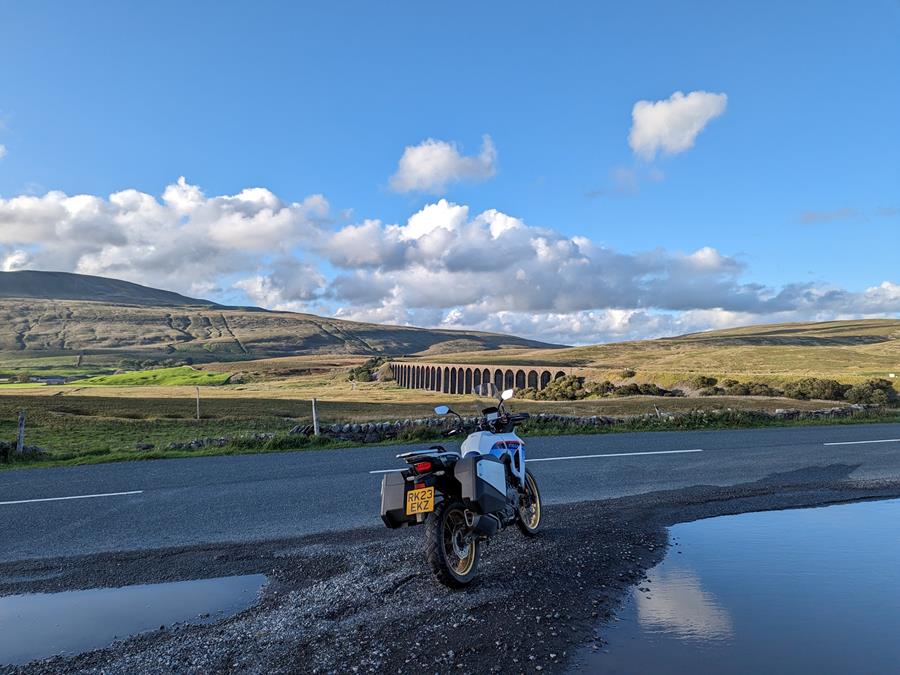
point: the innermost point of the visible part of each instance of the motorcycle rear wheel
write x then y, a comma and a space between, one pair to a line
453, 560
529, 520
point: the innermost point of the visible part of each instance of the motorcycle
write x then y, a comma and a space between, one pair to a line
465, 497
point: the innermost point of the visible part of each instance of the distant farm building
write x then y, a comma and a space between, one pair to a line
458, 378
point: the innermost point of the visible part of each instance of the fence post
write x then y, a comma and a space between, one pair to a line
198, 403
20, 437
315, 418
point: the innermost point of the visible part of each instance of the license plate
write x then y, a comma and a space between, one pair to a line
420, 501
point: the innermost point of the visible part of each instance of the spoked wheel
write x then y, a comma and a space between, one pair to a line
452, 556
530, 507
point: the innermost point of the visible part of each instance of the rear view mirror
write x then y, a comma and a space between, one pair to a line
442, 409
507, 394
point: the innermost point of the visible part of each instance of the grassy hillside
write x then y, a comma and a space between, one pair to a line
52, 314
35, 284
845, 350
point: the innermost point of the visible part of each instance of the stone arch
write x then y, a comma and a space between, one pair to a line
545, 378
460, 380
476, 379
520, 379
434, 374
446, 388
437, 382
453, 380
509, 379
498, 378
485, 376
532, 380
418, 377
427, 377
559, 374
468, 384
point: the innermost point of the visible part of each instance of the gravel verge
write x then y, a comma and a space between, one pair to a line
363, 601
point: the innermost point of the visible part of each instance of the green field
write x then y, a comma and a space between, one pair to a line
178, 376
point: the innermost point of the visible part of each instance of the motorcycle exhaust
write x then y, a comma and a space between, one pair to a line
483, 526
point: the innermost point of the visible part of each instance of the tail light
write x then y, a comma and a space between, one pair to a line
422, 467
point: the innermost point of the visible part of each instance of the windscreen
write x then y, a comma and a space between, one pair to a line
486, 396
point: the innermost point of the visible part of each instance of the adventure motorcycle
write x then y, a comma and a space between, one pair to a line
467, 496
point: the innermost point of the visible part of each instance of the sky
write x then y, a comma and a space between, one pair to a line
573, 172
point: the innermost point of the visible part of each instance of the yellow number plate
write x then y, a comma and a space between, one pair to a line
420, 501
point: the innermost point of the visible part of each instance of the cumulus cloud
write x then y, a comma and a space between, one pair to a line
2, 151
184, 241
443, 266
672, 125
433, 165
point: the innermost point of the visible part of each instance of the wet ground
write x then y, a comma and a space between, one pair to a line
799, 591
38, 625
363, 601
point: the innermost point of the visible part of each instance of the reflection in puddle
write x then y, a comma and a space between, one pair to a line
802, 591
38, 625
678, 605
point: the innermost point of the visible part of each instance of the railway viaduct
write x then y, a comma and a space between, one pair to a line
459, 378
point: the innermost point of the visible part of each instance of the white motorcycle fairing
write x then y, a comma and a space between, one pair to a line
498, 445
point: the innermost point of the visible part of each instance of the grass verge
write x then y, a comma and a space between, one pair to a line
74, 442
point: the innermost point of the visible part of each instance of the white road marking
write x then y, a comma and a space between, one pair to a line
60, 499
612, 454
884, 440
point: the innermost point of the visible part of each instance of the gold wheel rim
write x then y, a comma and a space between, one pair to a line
454, 528
532, 515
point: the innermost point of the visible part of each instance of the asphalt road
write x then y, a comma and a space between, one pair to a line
257, 497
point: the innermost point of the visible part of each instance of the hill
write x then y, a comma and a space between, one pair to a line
844, 350
54, 313
35, 285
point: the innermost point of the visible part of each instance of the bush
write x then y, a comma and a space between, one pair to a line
711, 391
813, 387
702, 382
568, 388
22, 378
878, 391
366, 371
735, 388
627, 374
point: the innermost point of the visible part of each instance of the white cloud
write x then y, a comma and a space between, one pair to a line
433, 165
672, 125
443, 266
185, 242
2, 151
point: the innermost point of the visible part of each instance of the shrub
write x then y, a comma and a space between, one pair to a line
711, 391
628, 373
366, 371
813, 387
22, 378
735, 388
702, 382
878, 391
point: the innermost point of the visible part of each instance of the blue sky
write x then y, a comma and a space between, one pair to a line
794, 184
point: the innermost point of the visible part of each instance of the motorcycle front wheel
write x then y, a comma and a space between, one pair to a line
529, 520
452, 558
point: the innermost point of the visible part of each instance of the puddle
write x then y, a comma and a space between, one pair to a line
803, 591
38, 625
